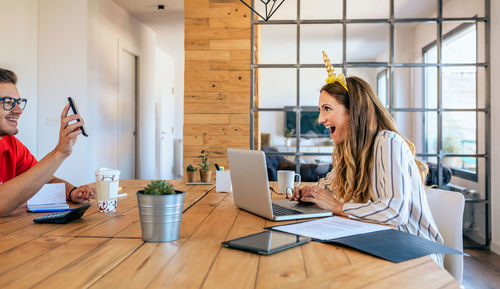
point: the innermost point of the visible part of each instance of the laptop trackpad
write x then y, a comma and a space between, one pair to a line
305, 208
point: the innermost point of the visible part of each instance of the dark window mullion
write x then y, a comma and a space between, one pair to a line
439, 45
298, 113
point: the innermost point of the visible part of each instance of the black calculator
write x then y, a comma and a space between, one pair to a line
63, 217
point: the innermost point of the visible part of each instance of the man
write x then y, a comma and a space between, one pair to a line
21, 175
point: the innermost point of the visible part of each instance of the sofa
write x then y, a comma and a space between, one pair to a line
308, 172
432, 176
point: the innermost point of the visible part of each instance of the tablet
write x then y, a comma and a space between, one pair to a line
266, 242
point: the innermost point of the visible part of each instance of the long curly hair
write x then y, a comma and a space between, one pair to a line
353, 158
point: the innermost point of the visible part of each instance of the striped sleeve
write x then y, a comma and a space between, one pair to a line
326, 182
392, 188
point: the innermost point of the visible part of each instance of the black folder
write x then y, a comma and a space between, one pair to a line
392, 245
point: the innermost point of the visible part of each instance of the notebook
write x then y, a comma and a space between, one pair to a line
50, 198
251, 189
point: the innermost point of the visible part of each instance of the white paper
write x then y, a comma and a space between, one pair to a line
331, 228
223, 182
49, 194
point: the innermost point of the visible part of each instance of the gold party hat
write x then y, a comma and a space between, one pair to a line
332, 76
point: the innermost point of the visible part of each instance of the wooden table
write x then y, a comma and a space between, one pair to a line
105, 250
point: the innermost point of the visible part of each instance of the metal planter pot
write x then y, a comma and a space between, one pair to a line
160, 216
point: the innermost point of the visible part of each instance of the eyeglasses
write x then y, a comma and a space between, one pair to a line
9, 102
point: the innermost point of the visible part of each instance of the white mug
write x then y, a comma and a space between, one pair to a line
286, 181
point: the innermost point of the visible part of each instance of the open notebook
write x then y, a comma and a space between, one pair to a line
50, 198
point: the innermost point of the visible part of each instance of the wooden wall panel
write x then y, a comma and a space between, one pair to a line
217, 78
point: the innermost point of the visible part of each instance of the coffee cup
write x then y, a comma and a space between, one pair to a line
107, 188
286, 182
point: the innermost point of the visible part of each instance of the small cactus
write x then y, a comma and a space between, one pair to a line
159, 188
190, 168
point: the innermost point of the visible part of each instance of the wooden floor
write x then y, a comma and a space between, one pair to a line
481, 269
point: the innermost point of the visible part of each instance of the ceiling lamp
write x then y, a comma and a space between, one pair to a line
264, 7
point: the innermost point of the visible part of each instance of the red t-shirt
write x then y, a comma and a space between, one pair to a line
15, 158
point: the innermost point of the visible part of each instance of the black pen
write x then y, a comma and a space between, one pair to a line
217, 167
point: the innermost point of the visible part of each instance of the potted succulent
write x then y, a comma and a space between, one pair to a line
288, 136
205, 172
190, 173
160, 211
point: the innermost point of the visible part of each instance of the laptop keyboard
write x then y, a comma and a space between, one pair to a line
281, 211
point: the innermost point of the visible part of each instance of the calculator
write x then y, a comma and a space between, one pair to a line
63, 217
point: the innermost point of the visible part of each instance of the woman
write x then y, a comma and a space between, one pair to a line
375, 175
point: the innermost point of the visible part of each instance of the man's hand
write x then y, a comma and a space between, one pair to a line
322, 198
82, 193
68, 132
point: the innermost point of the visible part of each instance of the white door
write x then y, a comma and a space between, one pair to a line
127, 99
166, 119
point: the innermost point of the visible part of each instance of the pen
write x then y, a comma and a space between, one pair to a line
217, 167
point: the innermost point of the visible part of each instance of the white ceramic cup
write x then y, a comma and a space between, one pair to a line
107, 188
286, 181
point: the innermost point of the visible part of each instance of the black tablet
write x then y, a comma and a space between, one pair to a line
266, 242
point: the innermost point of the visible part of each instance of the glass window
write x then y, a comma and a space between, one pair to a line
367, 42
458, 92
278, 44
400, 61
367, 9
382, 87
330, 9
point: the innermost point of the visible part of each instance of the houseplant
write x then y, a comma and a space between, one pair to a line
288, 136
190, 173
205, 172
160, 211
452, 146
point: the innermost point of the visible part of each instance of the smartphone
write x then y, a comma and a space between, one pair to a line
266, 242
75, 111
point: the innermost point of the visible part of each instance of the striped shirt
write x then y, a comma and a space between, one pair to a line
397, 197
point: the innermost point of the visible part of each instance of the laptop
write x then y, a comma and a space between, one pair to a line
251, 189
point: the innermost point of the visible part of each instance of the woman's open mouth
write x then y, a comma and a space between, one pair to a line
332, 129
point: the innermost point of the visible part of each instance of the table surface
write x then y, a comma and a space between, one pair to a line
105, 250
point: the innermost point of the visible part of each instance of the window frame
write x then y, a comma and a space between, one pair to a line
458, 172
390, 65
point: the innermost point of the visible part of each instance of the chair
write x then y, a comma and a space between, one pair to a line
447, 208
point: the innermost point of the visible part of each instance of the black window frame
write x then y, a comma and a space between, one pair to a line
458, 172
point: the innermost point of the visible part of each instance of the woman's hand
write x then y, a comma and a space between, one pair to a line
322, 198
82, 193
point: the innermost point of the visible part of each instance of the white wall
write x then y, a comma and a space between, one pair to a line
62, 72
18, 53
112, 29
171, 41
166, 114
63, 48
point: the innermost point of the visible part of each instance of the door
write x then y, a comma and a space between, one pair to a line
127, 101
166, 119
